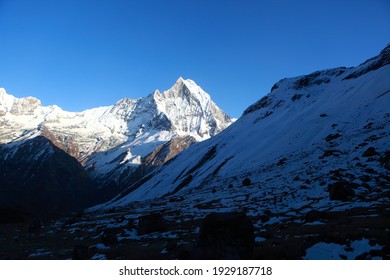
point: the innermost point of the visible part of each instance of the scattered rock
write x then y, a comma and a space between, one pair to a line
226, 236
365, 178
370, 152
80, 252
120, 219
176, 199
341, 191
296, 97
246, 182
264, 218
151, 223
314, 215
370, 171
368, 125
332, 137
171, 245
109, 236
343, 257
385, 159
328, 153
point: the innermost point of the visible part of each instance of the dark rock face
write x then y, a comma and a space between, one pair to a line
151, 223
226, 236
370, 152
62, 141
262, 103
169, 150
341, 191
42, 178
130, 175
310, 80
372, 64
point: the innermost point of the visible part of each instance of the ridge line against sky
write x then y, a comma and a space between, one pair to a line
84, 54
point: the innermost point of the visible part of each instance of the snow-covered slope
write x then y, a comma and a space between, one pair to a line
309, 133
116, 136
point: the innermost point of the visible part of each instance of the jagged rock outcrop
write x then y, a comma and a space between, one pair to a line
41, 178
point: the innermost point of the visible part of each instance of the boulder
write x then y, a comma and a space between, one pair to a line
154, 222
246, 182
226, 236
109, 236
80, 252
341, 191
370, 152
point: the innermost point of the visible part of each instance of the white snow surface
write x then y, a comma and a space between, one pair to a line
334, 251
289, 125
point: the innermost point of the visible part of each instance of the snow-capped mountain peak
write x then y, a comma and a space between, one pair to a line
183, 110
188, 87
6, 100
120, 134
190, 108
9, 103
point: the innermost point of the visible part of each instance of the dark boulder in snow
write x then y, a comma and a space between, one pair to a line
154, 222
314, 215
246, 182
226, 236
80, 252
341, 191
370, 152
109, 236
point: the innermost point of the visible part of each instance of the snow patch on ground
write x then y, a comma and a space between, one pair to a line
333, 251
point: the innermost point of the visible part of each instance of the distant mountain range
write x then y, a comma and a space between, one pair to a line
112, 143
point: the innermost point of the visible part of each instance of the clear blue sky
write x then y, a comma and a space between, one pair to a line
80, 54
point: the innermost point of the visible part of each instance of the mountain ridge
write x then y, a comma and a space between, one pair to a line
119, 122
112, 141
